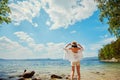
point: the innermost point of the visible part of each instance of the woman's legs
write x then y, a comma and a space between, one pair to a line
72, 72
78, 71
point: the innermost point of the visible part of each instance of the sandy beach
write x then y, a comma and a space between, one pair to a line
88, 74
85, 75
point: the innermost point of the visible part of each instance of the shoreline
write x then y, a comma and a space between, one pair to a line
111, 60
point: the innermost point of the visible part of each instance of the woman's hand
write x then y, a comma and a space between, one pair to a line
68, 45
80, 46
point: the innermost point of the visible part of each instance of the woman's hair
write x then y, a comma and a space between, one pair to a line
74, 44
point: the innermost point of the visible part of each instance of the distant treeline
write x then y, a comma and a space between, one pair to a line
110, 51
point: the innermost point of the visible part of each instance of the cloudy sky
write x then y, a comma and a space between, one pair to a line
41, 28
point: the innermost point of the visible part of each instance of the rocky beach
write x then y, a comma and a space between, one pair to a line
85, 75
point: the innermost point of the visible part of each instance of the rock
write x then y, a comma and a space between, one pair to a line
56, 76
67, 77
103, 73
28, 74
97, 72
25, 70
11, 76
36, 79
21, 79
28, 79
3, 79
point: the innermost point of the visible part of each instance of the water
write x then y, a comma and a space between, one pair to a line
48, 66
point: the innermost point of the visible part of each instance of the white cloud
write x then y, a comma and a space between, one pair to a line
72, 32
100, 44
96, 46
90, 54
35, 24
48, 23
104, 36
54, 50
13, 50
108, 40
24, 37
10, 49
63, 13
24, 10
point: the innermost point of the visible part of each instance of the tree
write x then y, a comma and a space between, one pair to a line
4, 12
110, 10
110, 51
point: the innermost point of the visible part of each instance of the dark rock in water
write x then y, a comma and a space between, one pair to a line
56, 76
28, 74
28, 78
36, 79
3, 79
11, 76
25, 70
21, 79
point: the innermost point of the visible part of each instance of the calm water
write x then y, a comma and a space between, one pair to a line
11, 67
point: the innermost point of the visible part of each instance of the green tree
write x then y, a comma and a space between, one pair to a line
110, 51
110, 12
4, 12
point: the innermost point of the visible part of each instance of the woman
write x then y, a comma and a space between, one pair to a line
74, 54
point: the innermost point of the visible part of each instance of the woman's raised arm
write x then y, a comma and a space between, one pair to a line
80, 46
67, 45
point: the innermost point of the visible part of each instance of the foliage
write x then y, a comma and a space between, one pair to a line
110, 10
4, 12
110, 51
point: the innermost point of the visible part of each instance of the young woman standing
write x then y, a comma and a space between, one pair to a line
74, 55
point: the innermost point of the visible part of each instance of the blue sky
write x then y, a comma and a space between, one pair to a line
41, 29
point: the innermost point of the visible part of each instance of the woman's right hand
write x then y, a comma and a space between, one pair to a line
68, 45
